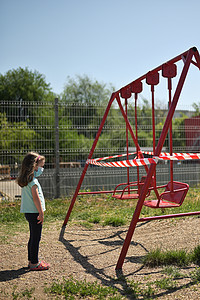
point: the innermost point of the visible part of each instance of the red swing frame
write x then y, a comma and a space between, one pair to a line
187, 58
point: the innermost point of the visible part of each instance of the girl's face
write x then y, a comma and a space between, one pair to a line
40, 164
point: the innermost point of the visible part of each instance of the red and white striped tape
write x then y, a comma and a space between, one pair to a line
113, 156
125, 163
176, 156
141, 161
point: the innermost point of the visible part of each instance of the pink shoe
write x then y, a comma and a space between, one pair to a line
41, 266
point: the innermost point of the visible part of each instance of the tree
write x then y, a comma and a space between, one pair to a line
15, 136
82, 98
196, 106
83, 90
19, 86
72, 144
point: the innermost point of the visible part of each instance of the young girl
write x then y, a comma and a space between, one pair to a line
33, 205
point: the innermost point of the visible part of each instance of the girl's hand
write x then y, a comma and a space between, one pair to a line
40, 218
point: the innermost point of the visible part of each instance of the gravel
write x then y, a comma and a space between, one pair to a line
92, 254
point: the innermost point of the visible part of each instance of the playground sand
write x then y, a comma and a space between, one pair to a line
92, 254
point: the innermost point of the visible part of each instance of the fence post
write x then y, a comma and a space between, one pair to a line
57, 169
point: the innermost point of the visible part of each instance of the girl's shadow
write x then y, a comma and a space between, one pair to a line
12, 274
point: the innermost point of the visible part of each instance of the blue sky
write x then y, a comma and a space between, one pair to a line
112, 41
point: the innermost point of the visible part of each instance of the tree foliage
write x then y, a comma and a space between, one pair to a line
196, 106
19, 86
15, 136
30, 101
83, 97
83, 90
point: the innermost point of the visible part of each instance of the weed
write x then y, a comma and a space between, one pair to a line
15, 294
180, 258
148, 292
166, 283
114, 221
27, 293
86, 224
95, 219
196, 255
133, 289
173, 272
195, 275
10, 213
70, 287
157, 258
136, 290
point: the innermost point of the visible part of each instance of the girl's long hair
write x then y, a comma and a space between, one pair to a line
29, 163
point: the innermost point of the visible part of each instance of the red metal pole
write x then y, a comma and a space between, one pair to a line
170, 136
154, 131
137, 150
171, 61
130, 128
174, 102
196, 54
153, 119
89, 156
195, 213
153, 166
126, 107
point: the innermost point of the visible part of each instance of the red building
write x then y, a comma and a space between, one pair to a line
192, 134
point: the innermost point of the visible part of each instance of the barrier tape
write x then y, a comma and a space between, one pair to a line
113, 156
141, 161
176, 156
125, 163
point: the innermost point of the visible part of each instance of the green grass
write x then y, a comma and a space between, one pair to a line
9, 213
74, 289
95, 209
179, 258
173, 272
77, 289
114, 221
88, 211
69, 288
195, 275
24, 294
106, 211
195, 256
166, 284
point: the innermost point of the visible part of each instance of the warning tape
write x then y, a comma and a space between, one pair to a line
124, 163
176, 156
141, 161
113, 156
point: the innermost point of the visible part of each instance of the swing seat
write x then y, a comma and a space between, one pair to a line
124, 196
170, 198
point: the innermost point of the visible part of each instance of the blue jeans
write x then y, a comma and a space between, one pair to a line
35, 236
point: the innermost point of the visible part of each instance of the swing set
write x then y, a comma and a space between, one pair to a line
174, 192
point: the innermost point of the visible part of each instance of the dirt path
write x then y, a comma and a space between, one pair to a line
93, 254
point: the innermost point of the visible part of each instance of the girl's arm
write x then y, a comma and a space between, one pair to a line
37, 202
